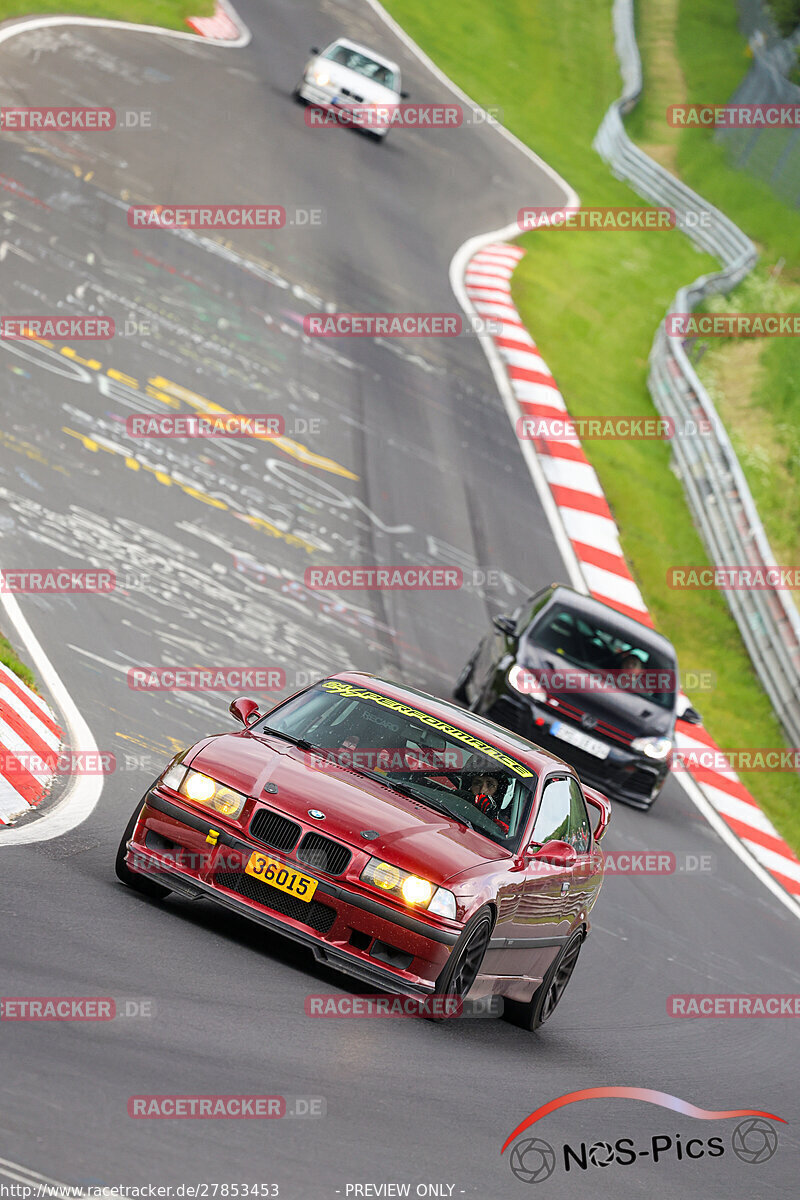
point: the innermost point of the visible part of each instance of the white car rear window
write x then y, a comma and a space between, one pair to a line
354, 60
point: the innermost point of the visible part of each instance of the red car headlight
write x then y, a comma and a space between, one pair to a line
411, 889
203, 790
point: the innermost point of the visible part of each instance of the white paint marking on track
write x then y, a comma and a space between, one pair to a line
82, 793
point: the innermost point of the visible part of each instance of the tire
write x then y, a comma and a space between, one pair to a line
132, 879
462, 967
542, 1004
298, 99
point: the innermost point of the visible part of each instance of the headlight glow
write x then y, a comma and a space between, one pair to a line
416, 890
198, 787
202, 789
321, 77
401, 884
652, 747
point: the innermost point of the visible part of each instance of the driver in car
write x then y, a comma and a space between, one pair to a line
486, 790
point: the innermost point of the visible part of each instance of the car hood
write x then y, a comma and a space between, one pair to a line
629, 712
358, 85
410, 835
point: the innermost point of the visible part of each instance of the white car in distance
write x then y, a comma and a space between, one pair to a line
355, 82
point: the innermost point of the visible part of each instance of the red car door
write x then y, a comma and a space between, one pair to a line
553, 895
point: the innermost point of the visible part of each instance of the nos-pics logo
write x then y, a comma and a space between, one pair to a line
532, 1159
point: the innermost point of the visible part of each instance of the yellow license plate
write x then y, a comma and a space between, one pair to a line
278, 875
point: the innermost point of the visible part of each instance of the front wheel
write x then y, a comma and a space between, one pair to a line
543, 1002
462, 967
132, 879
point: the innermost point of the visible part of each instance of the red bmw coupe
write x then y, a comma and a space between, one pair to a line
408, 843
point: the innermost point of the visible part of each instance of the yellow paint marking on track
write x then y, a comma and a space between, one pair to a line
291, 539
32, 452
172, 393
288, 445
163, 477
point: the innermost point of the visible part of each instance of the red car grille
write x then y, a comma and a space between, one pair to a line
312, 913
320, 852
274, 830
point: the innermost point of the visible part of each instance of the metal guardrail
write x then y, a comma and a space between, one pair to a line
715, 486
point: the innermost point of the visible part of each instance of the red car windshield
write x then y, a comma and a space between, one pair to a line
432, 762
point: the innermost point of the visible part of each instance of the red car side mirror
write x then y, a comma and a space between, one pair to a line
243, 709
598, 800
556, 853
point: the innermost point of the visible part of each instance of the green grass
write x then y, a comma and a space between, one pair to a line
10, 660
171, 14
756, 388
593, 301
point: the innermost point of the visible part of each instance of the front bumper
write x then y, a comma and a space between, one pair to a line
327, 98
191, 855
624, 775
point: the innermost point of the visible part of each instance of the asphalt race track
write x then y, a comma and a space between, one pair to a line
213, 539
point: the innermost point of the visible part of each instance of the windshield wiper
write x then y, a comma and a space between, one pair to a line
301, 743
395, 785
406, 790
456, 816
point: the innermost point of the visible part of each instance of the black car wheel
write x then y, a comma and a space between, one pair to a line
545, 999
132, 879
462, 967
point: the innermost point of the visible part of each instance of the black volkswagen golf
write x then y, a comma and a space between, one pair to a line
586, 683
